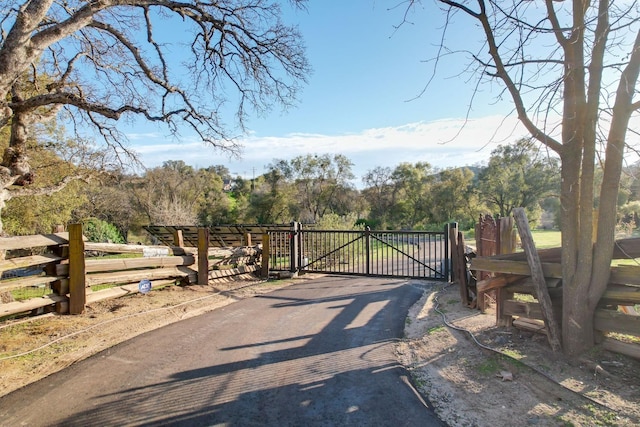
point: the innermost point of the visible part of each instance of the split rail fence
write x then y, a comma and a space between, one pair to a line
508, 276
66, 269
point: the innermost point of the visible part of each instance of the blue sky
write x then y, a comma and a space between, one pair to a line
361, 98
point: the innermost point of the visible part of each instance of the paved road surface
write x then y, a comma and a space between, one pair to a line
316, 353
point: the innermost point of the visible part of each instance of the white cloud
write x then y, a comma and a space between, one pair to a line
442, 143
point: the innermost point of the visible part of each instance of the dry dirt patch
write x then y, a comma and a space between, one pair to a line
472, 386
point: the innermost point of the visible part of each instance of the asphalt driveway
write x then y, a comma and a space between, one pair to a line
316, 353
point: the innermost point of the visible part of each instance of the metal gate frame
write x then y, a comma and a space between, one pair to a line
405, 254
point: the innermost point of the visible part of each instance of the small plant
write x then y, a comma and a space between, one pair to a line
488, 367
435, 329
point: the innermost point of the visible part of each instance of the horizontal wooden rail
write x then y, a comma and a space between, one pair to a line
137, 275
22, 242
30, 304
105, 265
28, 261
621, 295
120, 291
614, 321
25, 282
496, 265
625, 275
136, 249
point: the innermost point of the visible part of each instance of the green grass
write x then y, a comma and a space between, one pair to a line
435, 329
22, 294
488, 367
546, 238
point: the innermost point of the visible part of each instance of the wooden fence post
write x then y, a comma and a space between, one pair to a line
178, 239
203, 256
247, 239
77, 284
453, 244
264, 273
537, 275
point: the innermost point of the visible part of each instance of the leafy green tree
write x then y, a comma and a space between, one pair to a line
412, 184
454, 198
177, 194
97, 230
318, 180
215, 206
519, 175
379, 193
399, 198
87, 61
50, 201
272, 200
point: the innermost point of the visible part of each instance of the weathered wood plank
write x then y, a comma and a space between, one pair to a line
24, 282
531, 310
30, 304
120, 291
217, 274
613, 321
628, 349
105, 265
625, 275
627, 248
621, 295
530, 325
497, 265
537, 275
28, 261
137, 275
497, 282
21, 242
622, 249
136, 249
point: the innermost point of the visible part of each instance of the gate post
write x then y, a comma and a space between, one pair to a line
451, 235
294, 248
367, 237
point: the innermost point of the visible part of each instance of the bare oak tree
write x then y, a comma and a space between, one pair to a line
578, 61
174, 62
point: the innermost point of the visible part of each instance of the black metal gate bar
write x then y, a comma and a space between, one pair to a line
407, 254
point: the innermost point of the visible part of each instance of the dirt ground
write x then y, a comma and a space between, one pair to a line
523, 383
468, 385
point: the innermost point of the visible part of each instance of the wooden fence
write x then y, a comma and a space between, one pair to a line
517, 302
66, 269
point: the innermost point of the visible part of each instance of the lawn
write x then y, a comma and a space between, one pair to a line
546, 238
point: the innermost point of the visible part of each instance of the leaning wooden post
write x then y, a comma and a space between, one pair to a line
203, 256
537, 275
264, 272
77, 284
178, 238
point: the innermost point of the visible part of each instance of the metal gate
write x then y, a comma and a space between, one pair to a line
406, 254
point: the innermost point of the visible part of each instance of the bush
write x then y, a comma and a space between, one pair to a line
99, 231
